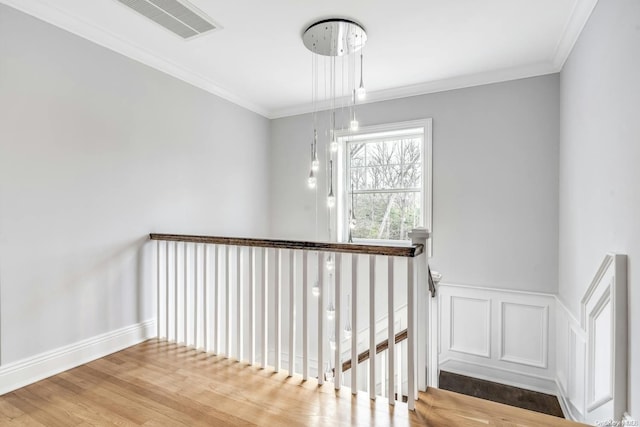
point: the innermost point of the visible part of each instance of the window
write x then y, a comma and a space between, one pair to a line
385, 182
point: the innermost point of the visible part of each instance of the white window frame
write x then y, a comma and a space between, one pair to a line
346, 136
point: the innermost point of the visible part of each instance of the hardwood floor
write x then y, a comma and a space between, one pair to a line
501, 393
160, 384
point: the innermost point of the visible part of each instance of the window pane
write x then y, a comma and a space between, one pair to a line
388, 164
356, 151
386, 215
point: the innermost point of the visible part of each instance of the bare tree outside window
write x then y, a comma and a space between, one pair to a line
385, 185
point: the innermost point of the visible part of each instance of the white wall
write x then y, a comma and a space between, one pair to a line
96, 151
599, 158
495, 180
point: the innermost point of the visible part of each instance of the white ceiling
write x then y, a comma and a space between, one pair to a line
415, 46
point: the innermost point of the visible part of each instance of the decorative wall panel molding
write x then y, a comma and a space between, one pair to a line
499, 335
533, 320
470, 323
604, 319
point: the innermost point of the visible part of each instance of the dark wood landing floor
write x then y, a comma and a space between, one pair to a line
508, 395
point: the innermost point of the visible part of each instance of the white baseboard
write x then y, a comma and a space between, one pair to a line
503, 376
28, 371
569, 411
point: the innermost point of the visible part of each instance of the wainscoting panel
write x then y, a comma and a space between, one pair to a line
604, 319
591, 352
470, 323
534, 320
498, 335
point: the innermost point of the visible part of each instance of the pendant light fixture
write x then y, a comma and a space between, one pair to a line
362, 93
334, 44
331, 199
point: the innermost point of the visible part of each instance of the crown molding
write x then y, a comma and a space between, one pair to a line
47, 12
98, 35
459, 82
578, 18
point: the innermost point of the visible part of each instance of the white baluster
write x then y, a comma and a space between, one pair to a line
216, 301
185, 305
372, 327
175, 291
411, 336
205, 305
321, 302
214, 309
195, 295
166, 290
158, 256
292, 313
227, 278
383, 375
278, 312
337, 380
399, 357
354, 324
391, 326
252, 306
239, 334
265, 300
305, 323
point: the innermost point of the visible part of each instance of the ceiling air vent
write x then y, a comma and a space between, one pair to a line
177, 16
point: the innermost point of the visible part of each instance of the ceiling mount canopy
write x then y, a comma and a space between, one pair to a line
334, 37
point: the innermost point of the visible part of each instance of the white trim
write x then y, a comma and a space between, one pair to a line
565, 405
105, 38
543, 363
27, 371
443, 85
101, 36
343, 136
606, 262
592, 402
486, 288
578, 18
487, 353
510, 377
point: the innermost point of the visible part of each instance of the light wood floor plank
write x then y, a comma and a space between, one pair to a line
160, 384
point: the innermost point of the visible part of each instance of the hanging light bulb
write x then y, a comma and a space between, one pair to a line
330, 263
331, 311
315, 163
347, 326
315, 290
347, 330
331, 199
361, 92
354, 125
311, 181
352, 219
328, 373
333, 146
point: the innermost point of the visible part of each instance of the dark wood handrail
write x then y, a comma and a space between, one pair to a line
351, 248
380, 347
